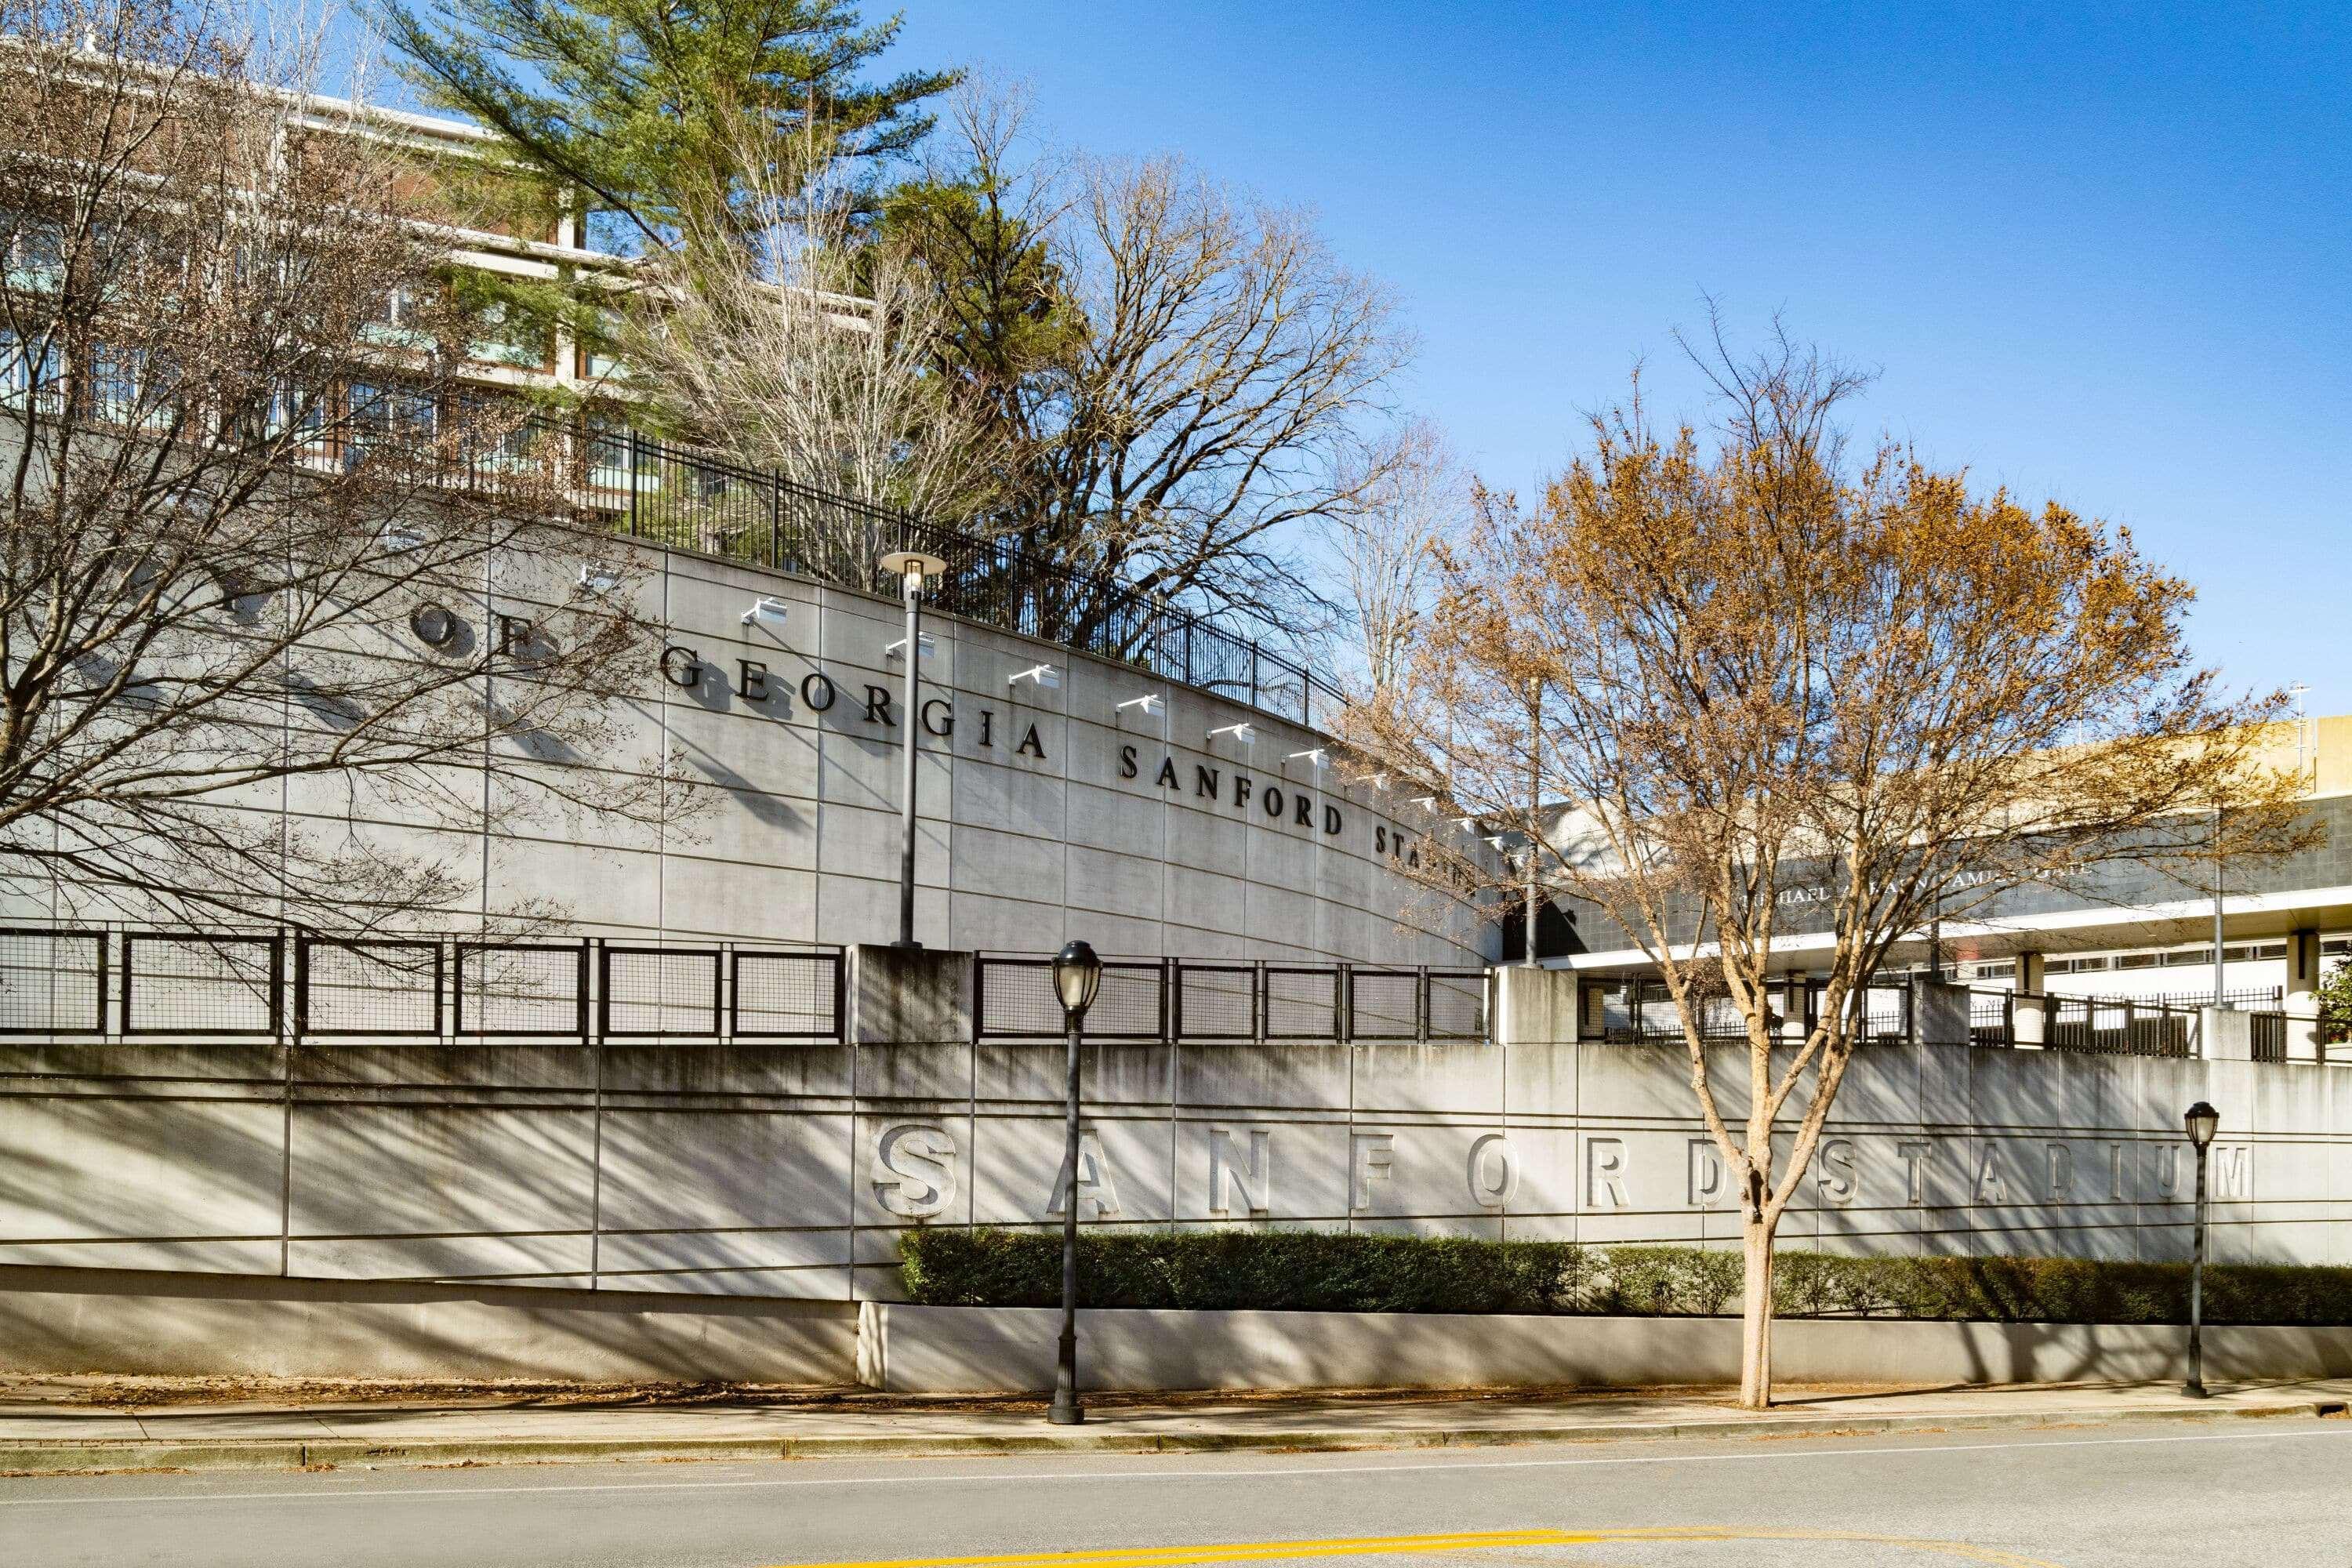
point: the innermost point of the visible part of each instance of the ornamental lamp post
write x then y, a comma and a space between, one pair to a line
2203, 1121
912, 566
1077, 974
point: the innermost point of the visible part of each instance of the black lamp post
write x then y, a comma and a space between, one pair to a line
912, 567
2203, 1121
1077, 974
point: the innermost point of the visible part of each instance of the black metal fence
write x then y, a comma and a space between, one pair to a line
2270, 1036
279, 985
1166, 999
693, 500
2117, 1027
1992, 1018
1642, 1012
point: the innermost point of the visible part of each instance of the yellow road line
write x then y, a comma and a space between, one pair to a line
1398, 1545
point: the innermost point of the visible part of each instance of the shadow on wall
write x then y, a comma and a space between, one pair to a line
137, 1322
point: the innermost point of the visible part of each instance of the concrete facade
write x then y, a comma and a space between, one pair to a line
954, 1350
1045, 812
789, 1170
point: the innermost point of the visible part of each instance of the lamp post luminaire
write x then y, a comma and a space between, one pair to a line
2203, 1121
1077, 974
912, 567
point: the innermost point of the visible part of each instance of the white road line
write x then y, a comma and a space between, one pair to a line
1002, 1478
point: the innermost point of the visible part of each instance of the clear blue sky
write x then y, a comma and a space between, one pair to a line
2102, 256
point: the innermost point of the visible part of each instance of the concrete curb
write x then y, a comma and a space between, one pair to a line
67, 1456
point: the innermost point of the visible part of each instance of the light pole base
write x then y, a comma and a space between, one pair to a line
1059, 1415
2193, 1389
909, 945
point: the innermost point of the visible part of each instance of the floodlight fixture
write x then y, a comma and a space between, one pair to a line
599, 579
1241, 733
899, 649
1315, 752
1151, 702
1044, 676
766, 608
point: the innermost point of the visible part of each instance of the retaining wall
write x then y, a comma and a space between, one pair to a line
939, 1350
789, 1169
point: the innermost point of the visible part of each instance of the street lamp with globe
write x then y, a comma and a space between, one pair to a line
2203, 1121
1077, 975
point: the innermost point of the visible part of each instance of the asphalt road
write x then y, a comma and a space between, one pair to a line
2268, 1494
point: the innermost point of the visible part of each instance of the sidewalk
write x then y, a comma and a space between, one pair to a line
50, 1425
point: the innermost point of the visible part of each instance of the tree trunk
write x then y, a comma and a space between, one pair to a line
1756, 1316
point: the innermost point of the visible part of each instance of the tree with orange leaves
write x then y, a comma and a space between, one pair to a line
1766, 661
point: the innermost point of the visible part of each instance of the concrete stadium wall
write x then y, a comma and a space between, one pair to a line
954, 1349
1043, 813
789, 1170
133, 1323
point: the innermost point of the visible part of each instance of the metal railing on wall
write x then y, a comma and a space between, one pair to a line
1171, 999
694, 500
2120, 1027
163, 984
2269, 1036
1642, 1012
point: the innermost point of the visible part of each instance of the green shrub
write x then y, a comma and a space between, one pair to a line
1308, 1270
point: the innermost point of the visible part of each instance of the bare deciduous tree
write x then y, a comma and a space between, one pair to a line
769, 331
261, 551
1387, 548
1768, 666
1184, 381
1221, 394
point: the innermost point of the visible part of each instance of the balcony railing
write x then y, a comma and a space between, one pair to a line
693, 500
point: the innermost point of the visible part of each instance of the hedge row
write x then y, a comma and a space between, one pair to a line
1305, 1271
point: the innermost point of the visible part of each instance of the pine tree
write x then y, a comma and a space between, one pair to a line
642, 103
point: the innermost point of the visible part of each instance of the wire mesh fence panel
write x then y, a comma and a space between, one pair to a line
1216, 1002
1383, 1003
1302, 1003
1131, 1004
1457, 1006
367, 987
1016, 998
202, 984
787, 996
52, 983
652, 992
522, 988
